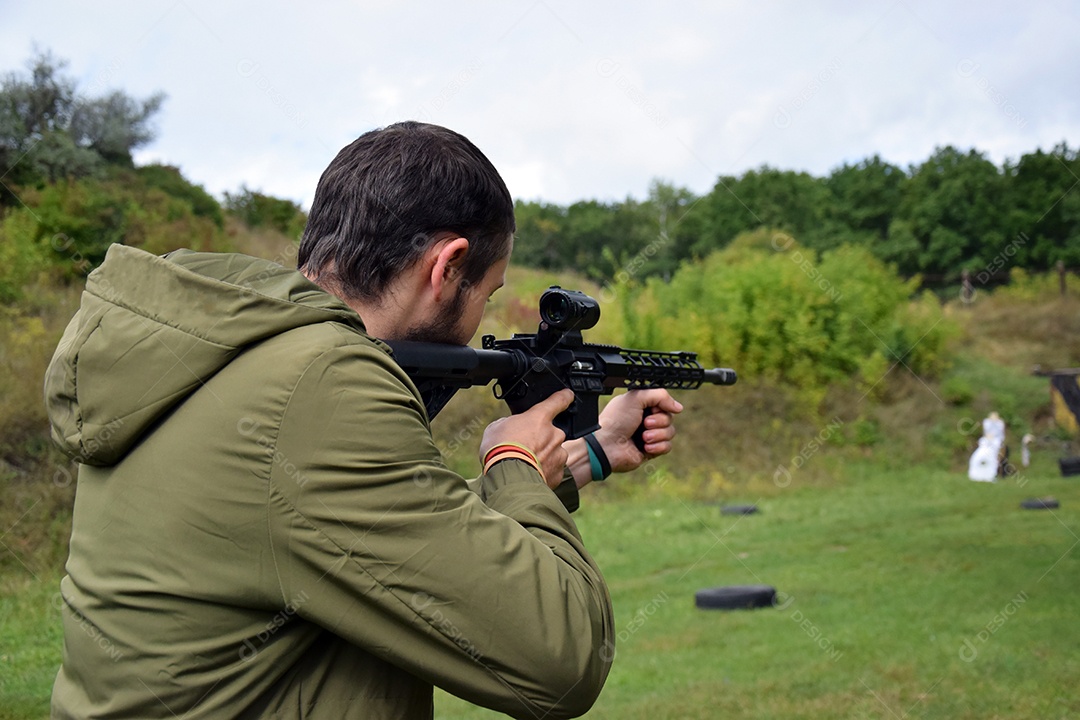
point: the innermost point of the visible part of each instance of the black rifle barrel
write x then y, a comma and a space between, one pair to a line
721, 376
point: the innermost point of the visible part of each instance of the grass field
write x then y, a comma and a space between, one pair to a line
30, 640
904, 593
909, 593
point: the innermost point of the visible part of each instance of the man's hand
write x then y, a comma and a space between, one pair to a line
619, 420
534, 430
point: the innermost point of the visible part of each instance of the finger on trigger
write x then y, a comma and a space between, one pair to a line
558, 401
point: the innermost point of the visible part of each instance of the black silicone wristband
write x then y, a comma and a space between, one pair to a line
598, 450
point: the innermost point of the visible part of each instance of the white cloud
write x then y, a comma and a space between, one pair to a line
574, 100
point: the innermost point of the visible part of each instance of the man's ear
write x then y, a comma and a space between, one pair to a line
446, 270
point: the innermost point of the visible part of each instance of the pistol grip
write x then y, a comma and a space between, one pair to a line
580, 419
639, 435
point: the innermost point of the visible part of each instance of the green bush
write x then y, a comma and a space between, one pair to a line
1031, 287
774, 310
866, 433
22, 256
80, 219
169, 180
957, 390
258, 210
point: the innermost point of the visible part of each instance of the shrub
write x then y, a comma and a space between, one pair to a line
957, 390
80, 219
258, 210
22, 256
774, 310
1037, 286
866, 433
169, 180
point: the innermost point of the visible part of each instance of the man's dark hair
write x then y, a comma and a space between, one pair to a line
383, 199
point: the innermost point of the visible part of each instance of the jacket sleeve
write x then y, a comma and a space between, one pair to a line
567, 490
490, 595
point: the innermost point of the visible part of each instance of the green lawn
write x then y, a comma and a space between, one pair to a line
30, 640
907, 593
887, 581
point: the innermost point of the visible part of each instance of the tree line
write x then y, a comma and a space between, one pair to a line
63, 149
955, 211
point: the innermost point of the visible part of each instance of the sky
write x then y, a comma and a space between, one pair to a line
572, 100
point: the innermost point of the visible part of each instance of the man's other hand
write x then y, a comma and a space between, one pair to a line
621, 418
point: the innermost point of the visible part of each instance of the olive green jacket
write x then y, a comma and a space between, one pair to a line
264, 528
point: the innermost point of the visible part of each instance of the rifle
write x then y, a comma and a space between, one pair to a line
529, 368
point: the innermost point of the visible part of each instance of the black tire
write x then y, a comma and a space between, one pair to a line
1048, 503
738, 510
736, 597
1069, 466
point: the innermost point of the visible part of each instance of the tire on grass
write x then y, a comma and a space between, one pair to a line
1047, 503
735, 597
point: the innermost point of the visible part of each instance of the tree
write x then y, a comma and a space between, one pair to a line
589, 229
48, 131
1043, 217
114, 125
865, 197
538, 239
783, 199
950, 216
678, 220
955, 211
38, 105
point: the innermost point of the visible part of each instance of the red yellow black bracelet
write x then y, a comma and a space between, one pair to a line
511, 451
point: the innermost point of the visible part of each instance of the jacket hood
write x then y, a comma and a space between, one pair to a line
150, 330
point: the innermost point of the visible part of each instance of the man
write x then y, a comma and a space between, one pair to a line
263, 526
